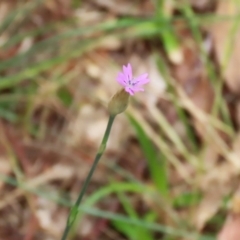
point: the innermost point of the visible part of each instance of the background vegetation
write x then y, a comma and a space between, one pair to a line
171, 169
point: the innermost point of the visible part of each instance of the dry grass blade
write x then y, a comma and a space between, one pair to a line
161, 145
212, 134
57, 172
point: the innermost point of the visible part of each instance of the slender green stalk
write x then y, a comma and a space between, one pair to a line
74, 210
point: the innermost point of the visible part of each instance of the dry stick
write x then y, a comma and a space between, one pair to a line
74, 210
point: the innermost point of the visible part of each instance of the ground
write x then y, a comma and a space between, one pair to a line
171, 165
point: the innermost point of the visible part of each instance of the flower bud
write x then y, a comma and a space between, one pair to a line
118, 102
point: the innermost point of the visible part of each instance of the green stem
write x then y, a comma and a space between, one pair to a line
74, 210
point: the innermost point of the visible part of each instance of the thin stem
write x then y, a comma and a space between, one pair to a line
74, 210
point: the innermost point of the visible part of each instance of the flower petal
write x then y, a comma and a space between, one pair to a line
121, 79
129, 90
138, 89
131, 84
142, 77
127, 71
141, 80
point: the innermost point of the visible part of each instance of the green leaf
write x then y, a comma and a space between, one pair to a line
156, 161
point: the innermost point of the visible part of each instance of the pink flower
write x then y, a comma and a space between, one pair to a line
130, 83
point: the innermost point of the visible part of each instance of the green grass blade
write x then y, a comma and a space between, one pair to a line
156, 161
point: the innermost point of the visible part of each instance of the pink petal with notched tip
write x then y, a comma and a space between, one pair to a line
145, 81
121, 79
127, 71
141, 80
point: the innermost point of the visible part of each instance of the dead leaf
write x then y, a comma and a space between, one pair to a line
231, 228
216, 184
226, 39
126, 7
201, 4
192, 77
